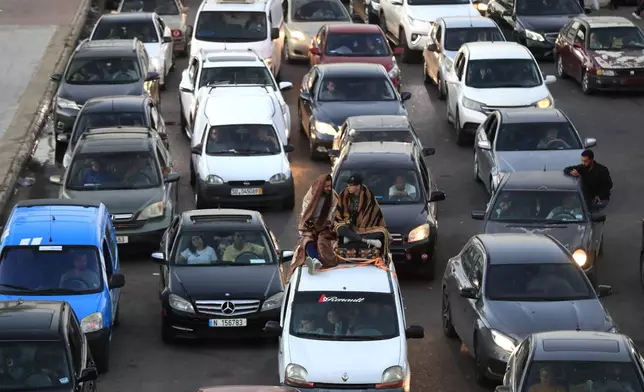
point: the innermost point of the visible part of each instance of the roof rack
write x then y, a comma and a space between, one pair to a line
215, 86
56, 202
221, 218
116, 130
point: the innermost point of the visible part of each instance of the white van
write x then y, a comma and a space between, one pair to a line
241, 25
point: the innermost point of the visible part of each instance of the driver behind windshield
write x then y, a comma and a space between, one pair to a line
330, 92
265, 140
122, 71
569, 210
241, 245
80, 272
141, 172
402, 188
255, 23
552, 141
307, 325
197, 252
96, 175
11, 371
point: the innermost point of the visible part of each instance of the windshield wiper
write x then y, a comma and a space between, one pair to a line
15, 287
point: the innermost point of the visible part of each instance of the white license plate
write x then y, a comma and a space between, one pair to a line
122, 240
215, 323
246, 191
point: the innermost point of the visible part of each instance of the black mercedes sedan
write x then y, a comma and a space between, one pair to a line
221, 275
547, 203
331, 93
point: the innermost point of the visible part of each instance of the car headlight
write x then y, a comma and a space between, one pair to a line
472, 104
580, 257
214, 180
157, 64
534, 36
482, 7
66, 104
283, 106
543, 103
180, 304
273, 302
92, 322
418, 234
605, 72
277, 178
298, 36
295, 374
154, 210
503, 341
394, 72
325, 128
392, 377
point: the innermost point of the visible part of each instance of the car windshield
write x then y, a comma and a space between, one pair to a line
537, 282
106, 120
578, 376
236, 75
319, 11
539, 207
389, 186
548, 7
503, 73
353, 316
455, 38
103, 71
27, 365
228, 26
616, 38
537, 136
243, 139
143, 30
161, 7
113, 171
39, 270
223, 248
382, 136
357, 89
357, 45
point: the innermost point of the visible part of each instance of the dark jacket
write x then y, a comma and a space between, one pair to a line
595, 181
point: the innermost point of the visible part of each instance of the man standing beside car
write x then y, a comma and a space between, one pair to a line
596, 182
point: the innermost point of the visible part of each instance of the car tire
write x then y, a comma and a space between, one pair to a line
426, 78
407, 53
200, 203
167, 336
59, 151
193, 176
561, 73
481, 362
441, 87
101, 355
117, 318
585, 83
289, 203
287, 55
461, 138
448, 114
183, 123
315, 156
477, 174
446, 314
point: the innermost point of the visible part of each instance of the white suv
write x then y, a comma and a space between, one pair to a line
239, 156
342, 328
241, 68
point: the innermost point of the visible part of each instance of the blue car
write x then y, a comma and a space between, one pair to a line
63, 250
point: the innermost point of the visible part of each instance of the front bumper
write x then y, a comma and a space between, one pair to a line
416, 37
470, 119
321, 142
617, 83
540, 49
412, 254
360, 388
298, 49
271, 193
497, 359
97, 340
143, 231
64, 120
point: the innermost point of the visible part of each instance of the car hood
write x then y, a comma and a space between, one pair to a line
545, 23
622, 59
403, 218
83, 305
519, 319
385, 61
241, 282
122, 201
429, 13
153, 49
336, 113
311, 28
551, 160
340, 358
450, 54
81, 93
508, 97
572, 235
259, 47
245, 168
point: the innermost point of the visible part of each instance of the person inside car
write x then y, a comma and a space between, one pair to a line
140, 173
335, 322
265, 141
122, 73
569, 210
11, 370
241, 245
331, 93
80, 273
197, 252
307, 325
255, 24
546, 382
614, 380
95, 175
551, 141
402, 189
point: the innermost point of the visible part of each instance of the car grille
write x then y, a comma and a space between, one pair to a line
490, 109
627, 72
129, 225
396, 238
344, 386
246, 183
551, 37
223, 307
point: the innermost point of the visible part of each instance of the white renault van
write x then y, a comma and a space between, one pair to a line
344, 329
241, 25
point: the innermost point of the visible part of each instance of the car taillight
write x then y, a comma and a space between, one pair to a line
176, 33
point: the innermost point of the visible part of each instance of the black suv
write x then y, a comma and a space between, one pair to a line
45, 336
98, 69
119, 111
403, 185
222, 275
130, 171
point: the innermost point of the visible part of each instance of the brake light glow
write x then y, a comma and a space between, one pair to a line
176, 33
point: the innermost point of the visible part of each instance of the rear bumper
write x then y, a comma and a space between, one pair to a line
271, 194
413, 254
617, 83
143, 232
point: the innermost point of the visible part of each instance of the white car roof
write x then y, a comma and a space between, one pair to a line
368, 279
455, 22
228, 105
236, 58
497, 50
233, 5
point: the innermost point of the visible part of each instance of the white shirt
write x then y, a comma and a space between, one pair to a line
410, 189
205, 255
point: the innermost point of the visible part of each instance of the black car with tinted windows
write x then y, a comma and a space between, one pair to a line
46, 336
386, 168
114, 112
221, 275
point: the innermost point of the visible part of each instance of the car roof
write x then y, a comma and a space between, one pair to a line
539, 181
351, 69
115, 139
393, 155
230, 58
581, 346
223, 105
607, 21
369, 279
377, 123
54, 222
521, 248
497, 50
532, 115
116, 47
233, 5
120, 103
128, 16
353, 28
475, 21
222, 218
31, 320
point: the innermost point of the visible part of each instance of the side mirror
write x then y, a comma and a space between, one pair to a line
172, 177
590, 142
315, 51
57, 180
304, 96
273, 329
356, 18
398, 51
478, 215
396, 2
502, 388
334, 153
158, 257
275, 33
604, 291
484, 144
550, 79
469, 292
56, 77
117, 281
62, 138
405, 96
197, 149
598, 217
285, 86
432, 47
415, 332
436, 196
428, 151
286, 256
88, 374
587, 10
167, 40
151, 76
289, 148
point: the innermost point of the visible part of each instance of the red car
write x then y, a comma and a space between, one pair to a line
601, 53
354, 43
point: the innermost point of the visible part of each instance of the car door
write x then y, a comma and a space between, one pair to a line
74, 338
471, 306
165, 162
460, 271
520, 366
319, 42
578, 57
188, 90
453, 81
487, 157
428, 183
431, 57
167, 47
167, 242
110, 255
307, 106
565, 44
481, 136
157, 121
284, 312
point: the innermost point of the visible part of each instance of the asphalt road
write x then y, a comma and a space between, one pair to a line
141, 362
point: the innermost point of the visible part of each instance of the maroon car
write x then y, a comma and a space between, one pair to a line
248, 388
601, 53
354, 43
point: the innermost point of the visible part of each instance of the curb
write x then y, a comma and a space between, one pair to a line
26, 146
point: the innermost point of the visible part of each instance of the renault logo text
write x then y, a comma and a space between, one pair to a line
228, 308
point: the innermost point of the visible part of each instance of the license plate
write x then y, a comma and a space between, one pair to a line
122, 240
246, 191
226, 323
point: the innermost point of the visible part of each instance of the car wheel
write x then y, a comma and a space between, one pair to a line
287, 52
383, 23
182, 121
117, 318
193, 176
101, 355
448, 327
477, 175
407, 53
448, 114
315, 156
200, 203
441, 87
59, 151
289, 203
173, 63
585, 83
460, 135
481, 362
426, 78
561, 74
